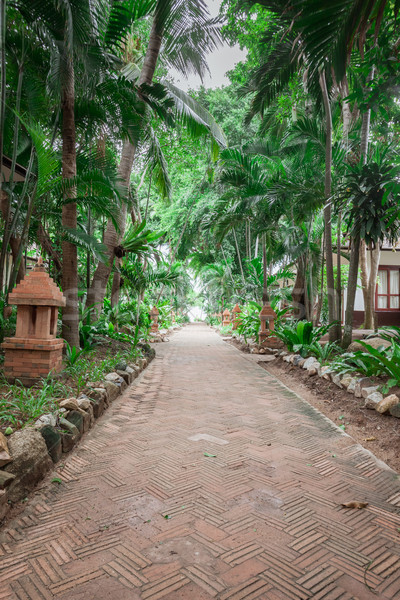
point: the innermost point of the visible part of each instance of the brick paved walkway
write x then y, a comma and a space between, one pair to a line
260, 519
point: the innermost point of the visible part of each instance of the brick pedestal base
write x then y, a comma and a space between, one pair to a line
28, 360
267, 338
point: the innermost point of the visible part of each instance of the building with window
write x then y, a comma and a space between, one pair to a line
387, 292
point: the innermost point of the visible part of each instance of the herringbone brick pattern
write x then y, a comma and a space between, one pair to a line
208, 479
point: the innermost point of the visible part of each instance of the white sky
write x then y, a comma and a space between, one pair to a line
219, 62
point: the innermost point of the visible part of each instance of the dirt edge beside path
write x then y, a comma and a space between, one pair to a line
377, 433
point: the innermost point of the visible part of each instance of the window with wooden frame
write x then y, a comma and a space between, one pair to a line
388, 289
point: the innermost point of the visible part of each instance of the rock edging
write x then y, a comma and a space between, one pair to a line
360, 387
28, 454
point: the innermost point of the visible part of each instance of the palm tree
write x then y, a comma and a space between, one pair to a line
270, 183
187, 33
319, 36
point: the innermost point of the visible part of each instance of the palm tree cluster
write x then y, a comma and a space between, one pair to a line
289, 196
314, 187
84, 87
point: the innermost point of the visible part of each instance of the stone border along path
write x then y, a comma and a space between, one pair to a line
250, 476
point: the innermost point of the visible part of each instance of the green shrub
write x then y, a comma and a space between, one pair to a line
250, 320
301, 335
72, 354
372, 363
324, 352
389, 333
210, 320
20, 405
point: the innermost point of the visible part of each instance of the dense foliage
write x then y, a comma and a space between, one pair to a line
270, 188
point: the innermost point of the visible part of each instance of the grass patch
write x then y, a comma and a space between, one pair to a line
21, 405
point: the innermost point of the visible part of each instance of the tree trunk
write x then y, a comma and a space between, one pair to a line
348, 119
112, 237
70, 316
47, 246
116, 286
366, 273
321, 294
14, 245
369, 296
238, 255
298, 299
14, 241
351, 292
339, 277
3, 91
347, 115
265, 298
330, 279
256, 248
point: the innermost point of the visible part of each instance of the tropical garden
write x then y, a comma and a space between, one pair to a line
279, 188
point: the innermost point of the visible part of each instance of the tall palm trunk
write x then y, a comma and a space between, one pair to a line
359, 245
112, 236
265, 298
238, 255
348, 118
339, 276
330, 279
3, 21
369, 292
14, 240
368, 275
69, 281
298, 299
351, 292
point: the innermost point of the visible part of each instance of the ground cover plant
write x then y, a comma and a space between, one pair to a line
302, 337
372, 362
20, 405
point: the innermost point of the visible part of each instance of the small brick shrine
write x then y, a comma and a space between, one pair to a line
266, 335
154, 314
226, 318
35, 350
236, 310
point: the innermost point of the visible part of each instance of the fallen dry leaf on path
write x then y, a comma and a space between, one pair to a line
370, 439
354, 504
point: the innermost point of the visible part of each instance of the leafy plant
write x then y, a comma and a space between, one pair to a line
120, 315
389, 333
226, 329
72, 354
372, 363
21, 405
250, 320
301, 335
7, 323
324, 352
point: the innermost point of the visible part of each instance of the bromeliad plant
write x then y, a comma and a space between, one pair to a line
373, 362
301, 336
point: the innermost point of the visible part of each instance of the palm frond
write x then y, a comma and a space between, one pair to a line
139, 241
86, 242
194, 116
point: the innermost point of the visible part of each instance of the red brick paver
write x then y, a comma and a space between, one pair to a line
144, 513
